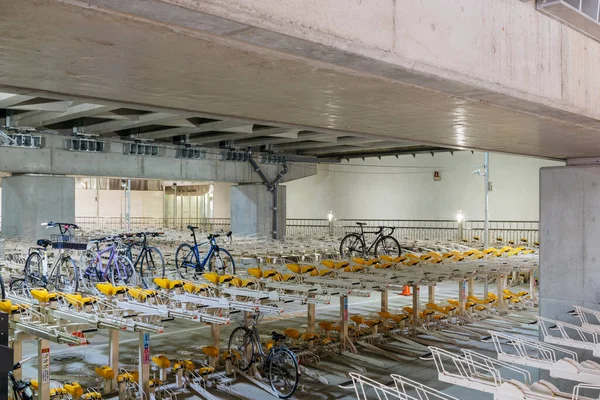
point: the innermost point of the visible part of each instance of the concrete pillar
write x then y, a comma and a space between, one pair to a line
569, 236
28, 200
252, 213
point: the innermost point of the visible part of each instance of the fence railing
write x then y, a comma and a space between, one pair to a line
298, 227
141, 223
420, 229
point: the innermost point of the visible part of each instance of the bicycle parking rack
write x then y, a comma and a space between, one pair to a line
566, 333
403, 389
560, 362
479, 372
589, 319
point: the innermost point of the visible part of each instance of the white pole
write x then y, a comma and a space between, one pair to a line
128, 199
97, 203
486, 169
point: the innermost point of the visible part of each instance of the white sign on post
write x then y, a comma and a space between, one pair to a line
45, 365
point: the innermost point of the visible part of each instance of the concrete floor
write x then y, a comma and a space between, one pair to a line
183, 339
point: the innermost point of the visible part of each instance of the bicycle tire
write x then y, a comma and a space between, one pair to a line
151, 266
388, 250
93, 271
247, 339
17, 284
277, 360
65, 285
186, 261
225, 267
122, 272
33, 270
349, 248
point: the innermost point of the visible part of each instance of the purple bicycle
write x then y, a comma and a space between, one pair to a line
108, 264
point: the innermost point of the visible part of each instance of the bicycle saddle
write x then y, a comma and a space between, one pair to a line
43, 243
277, 336
361, 223
191, 228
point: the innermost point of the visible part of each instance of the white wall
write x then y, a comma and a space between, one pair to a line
404, 188
143, 203
221, 200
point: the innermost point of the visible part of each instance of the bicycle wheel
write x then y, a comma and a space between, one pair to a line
65, 277
18, 285
388, 246
152, 264
222, 263
283, 372
186, 261
352, 245
33, 271
93, 269
123, 273
241, 348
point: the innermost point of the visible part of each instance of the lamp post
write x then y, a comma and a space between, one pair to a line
330, 218
460, 218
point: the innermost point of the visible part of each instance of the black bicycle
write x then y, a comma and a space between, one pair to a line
355, 245
22, 389
279, 363
149, 261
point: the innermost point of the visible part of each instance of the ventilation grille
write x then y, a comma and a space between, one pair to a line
140, 149
87, 145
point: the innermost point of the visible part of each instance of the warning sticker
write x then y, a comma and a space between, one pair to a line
146, 357
45, 365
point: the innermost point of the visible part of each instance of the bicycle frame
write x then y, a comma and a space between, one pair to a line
112, 259
211, 250
379, 235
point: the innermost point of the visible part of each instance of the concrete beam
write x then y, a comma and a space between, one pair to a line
320, 137
9, 99
145, 119
37, 119
54, 159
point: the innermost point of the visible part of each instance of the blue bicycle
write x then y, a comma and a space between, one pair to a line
187, 258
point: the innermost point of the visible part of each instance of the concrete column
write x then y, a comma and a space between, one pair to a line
28, 200
569, 236
252, 210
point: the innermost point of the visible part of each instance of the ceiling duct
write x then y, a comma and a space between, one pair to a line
140, 149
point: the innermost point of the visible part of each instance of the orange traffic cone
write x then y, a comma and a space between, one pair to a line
406, 291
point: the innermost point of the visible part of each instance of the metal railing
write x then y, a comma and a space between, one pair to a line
420, 229
298, 227
141, 223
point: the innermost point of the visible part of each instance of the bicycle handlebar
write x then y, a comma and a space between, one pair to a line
63, 226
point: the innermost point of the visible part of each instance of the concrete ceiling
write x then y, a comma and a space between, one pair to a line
120, 122
137, 76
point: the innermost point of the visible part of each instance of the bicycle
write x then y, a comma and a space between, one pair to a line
118, 269
187, 257
21, 389
280, 364
354, 244
64, 273
149, 262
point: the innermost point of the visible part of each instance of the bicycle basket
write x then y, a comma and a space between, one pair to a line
69, 242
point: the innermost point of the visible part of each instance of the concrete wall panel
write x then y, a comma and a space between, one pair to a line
501, 41
570, 231
53, 159
366, 22
28, 201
